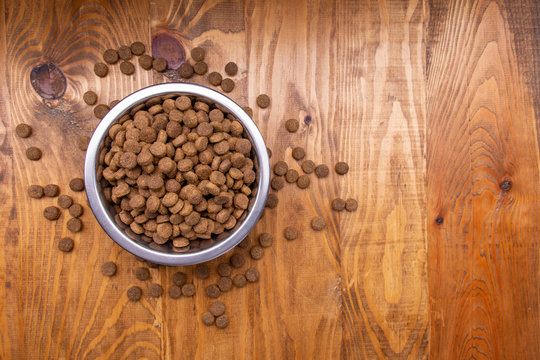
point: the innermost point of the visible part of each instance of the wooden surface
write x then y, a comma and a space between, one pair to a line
432, 105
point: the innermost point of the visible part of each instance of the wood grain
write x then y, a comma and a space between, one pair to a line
483, 259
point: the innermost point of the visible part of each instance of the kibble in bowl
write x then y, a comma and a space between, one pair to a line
177, 174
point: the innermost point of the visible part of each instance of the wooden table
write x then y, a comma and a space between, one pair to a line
435, 106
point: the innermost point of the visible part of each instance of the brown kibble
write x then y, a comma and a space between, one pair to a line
222, 322
188, 290
127, 67
298, 153
351, 205
292, 125
76, 210
74, 225
128, 160
224, 269
252, 275
214, 78
202, 271
23, 130
76, 184
277, 183
51, 190
155, 290
90, 97
338, 204
290, 233
159, 64
145, 61
100, 69
65, 201
318, 223
256, 252
272, 201
207, 318
101, 110
291, 176
241, 201
179, 278
137, 48
108, 269
82, 142
308, 166
265, 239
342, 168
200, 68
322, 171
110, 56
175, 292
237, 261
198, 53
33, 153
303, 182
125, 52
51, 213
186, 70
35, 191
239, 280
224, 283
217, 308
280, 168
65, 244
142, 274
134, 293
263, 101
231, 68
212, 291
243, 146
227, 85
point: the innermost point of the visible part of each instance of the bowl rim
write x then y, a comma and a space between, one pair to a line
108, 224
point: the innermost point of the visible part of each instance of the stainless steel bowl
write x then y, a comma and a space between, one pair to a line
104, 212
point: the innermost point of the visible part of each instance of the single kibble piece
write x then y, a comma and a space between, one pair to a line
222, 322
113, 103
188, 290
237, 261
244, 243
145, 61
338, 204
108, 269
51, 213
318, 223
137, 48
342, 168
76, 210
125, 52
186, 70
65, 201
33, 153
303, 182
159, 64
252, 275
74, 225
271, 201
207, 318
142, 274
322, 171
155, 290
179, 278
200, 68
198, 53
65, 244
202, 271
227, 85
213, 291
51, 190
100, 69
76, 184
214, 78
308, 166
231, 68
175, 292
277, 183
292, 125
256, 252
101, 110
134, 293
290, 233
239, 280
82, 142
280, 168
263, 101
224, 269
291, 176
298, 153
127, 67
35, 191
265, 240
110, 56
351, 205
90, 97
23, 130
224, 283
217, 308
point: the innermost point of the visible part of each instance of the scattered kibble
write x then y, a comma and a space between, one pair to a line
277, 183
224, 269
65, 244
76, 184
227, 85
35, 191
265, 240
110, 56
74, 225
239, 280
125, 52
231, 68
214, 78
76, 210
318, 223
271, 201
155, 290
200, 68
217, 308
23, 130
280, 168
179, 278
33, 153
338, 204
138, 48
146, 62
351, 205
198, 53
175, 292
202, 271
134, 293
252, 275
142, 274
341, 168
100, 69
322, 171
256, 252
186, 70
207, 318
108, 269
298, 153
101, 110
127, 67
237, 261
222, 322
292, 125
188, 290
51, 190
303, 182
159, 64
51, 213
290, 233
212, 291
224, 283
65, 201
291, 176
308, 166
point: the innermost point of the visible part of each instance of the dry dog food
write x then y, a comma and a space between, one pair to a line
65, 201
101, 110
277, 183
134, 293
217, 308
51, 213
65, 244
308, 166
186, 70
108, 269
291, 176
76, 210
188, 290
303, 182
212, 291
227, 85
125, 52
322, 171
224, 283
33, 153
239, 280
265, 240
137, 48
256, 252
351, 205
318, 223
127, 68
237, 261
271, 201
244, 243
155, 290
214, 78
159, 64
252, 275
35, 191
202, 271
224, 269
198, 53
113, 103
298, 153
82, 142
175, 292
179, 278
222, 322
207, 318
231, 68
263, 101
100, 69
142, 274
146, 62
90, 97
290, 233
110, 56
280, 168
292, 125
74, 225
51, 190
341, 168
76, 184
338, 204
23, 130
200, 68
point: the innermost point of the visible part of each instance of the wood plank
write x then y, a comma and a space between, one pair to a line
483, 258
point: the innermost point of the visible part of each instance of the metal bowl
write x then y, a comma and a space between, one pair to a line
104, 212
